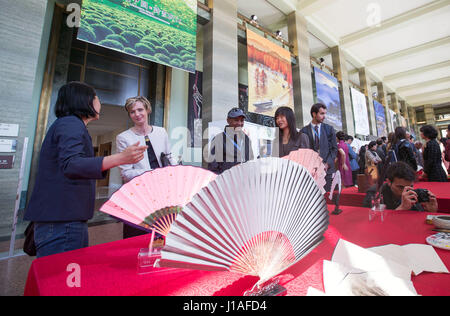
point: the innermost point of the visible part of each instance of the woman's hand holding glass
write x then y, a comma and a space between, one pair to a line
131, 155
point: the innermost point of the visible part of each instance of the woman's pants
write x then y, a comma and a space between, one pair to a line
54, 238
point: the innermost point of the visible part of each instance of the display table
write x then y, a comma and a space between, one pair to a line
351, 196
111, 269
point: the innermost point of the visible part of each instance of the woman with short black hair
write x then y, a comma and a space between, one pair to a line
64, 193
432, 155
289, 138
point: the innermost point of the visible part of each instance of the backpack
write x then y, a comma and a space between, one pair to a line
392, 156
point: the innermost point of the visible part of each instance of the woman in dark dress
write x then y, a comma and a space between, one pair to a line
289, 139
432, 155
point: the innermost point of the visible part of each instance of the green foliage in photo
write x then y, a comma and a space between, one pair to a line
163, 31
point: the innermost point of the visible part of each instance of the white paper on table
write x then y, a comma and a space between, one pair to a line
418, 257
341, 280
351, 255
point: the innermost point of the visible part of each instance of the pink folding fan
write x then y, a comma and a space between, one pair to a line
311, 160
154, 199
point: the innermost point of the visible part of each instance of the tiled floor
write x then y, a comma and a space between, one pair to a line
14, 271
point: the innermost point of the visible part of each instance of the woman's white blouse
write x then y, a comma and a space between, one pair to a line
160, 142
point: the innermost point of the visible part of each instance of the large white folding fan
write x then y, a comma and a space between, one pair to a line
312, 161
258, 218
154, 199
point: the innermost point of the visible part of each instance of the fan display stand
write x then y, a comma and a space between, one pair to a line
147, 257
270, 288
336, 184
337, 211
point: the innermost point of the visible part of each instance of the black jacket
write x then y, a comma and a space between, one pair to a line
432, 157
229, 149
65, 185
328, 144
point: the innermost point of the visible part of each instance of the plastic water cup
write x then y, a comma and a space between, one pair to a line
377, 213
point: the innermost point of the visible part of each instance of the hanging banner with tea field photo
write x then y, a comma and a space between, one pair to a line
162, 31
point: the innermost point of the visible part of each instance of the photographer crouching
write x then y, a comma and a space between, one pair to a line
398, 192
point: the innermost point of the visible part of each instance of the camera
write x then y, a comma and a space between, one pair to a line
422, 195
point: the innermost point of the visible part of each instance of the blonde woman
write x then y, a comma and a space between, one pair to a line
156, 138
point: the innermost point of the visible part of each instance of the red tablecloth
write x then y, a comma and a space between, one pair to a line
351, 197
110, 269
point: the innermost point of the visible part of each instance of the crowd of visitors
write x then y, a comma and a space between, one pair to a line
68, 167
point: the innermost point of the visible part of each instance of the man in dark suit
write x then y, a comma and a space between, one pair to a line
322, 139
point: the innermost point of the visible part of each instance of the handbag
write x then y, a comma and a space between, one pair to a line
165, 159
29, 247
372, 171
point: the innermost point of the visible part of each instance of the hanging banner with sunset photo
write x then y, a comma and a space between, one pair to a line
270, 84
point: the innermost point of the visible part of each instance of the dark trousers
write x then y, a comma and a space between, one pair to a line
355, 177
54, 238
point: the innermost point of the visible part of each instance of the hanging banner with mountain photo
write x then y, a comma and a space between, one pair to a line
380, 115
327, 89
162, 31
270, 83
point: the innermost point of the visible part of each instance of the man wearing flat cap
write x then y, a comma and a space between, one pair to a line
232, 147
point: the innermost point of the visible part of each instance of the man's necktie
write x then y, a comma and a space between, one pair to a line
316, 138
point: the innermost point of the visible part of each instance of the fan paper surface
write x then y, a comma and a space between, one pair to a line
154, 199
311, 160
257, 218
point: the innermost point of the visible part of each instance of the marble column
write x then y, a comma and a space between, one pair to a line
303, 89
220, 64
413, 119
340, 67
366, 84
430, 117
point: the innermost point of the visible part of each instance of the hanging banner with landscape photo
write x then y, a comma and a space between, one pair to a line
394, 123
380, 115
327, 88
360, 113
162, 31
270, 84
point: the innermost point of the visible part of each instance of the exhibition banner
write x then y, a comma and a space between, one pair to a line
403, 122
380, 115
394, 122
360, 112
327, 89
162, 31
270, 84
195, 107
